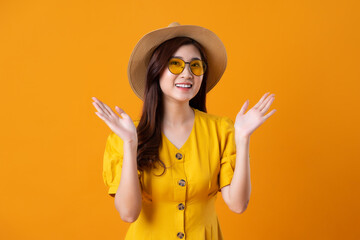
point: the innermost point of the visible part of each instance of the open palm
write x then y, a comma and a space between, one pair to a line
123, 127
246, 124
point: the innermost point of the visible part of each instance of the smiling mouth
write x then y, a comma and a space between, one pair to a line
183, 85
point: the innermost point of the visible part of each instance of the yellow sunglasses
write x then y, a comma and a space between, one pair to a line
177, 65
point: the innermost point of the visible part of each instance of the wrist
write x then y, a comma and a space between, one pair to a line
242, 139
240, 135
131, 144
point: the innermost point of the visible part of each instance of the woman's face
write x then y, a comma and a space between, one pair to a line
169, 81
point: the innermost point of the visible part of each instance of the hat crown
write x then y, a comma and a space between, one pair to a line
174, 24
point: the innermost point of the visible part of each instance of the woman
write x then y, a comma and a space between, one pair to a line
167, 168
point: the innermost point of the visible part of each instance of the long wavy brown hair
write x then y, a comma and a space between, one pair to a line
149, 127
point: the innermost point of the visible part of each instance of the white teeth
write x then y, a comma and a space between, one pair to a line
183, 85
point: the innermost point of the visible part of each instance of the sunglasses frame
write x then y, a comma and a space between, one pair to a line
204, 64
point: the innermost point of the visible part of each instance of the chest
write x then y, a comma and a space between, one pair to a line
177, 136
191, 171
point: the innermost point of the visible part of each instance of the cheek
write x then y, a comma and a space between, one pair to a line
166, 80
199, 82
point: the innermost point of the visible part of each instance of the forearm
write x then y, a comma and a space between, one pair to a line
128, 195
240, 187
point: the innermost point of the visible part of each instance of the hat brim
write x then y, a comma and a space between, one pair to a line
140, 56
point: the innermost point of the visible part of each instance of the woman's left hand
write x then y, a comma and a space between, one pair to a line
246, 124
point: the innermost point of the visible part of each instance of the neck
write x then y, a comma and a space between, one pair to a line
177, 113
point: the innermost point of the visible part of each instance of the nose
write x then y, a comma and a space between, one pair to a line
187, 71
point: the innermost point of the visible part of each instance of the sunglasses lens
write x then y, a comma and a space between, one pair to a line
197, 67
176, 65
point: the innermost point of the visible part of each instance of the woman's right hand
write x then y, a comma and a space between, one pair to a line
123, 127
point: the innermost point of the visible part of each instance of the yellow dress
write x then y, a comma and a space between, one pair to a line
180, 204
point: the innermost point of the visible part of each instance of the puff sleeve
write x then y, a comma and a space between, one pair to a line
112, 163
228, 151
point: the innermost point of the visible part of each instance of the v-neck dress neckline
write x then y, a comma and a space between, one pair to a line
183, 147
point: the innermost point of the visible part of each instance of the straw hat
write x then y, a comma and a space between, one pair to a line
140, 56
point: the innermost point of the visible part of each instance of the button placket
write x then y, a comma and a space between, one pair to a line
180, 189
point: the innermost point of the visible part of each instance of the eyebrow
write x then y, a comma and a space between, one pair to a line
195, 58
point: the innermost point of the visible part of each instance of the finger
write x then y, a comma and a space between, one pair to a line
103, 108
102, 116
97, 106
267, 100
269, 114
95, 99
267, 106
244, 107
120, 111
242, 110
110, 111
261, 100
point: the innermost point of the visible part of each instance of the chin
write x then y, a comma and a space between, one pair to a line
181, 98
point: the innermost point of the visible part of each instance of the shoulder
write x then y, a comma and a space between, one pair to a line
220, 121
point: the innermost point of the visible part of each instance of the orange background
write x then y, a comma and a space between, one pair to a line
56, 55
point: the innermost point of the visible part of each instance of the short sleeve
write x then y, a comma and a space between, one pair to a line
112, 162
228, 152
